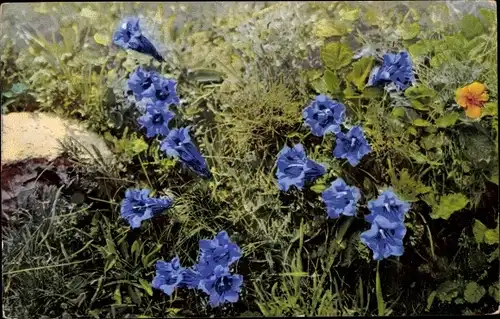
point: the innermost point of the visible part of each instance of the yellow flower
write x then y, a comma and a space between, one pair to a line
472, 98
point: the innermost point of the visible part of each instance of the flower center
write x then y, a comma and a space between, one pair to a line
353, 141
171, 280
147, 83
223, 284
472, 100
158, 119
162, 95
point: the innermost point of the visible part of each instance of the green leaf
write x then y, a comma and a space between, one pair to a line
332, 81
491, 236
479, 229
490, 109
8, 94
474, 292
326, 28
471, 26
494, 291
206, 76
146, 286
117, 295
448, 205
420, 91
398, 112
318, 188
489, 16
410, 31
349, 14
420, 48
447, 291
360, 71
19, 88
439, 59
336, 55
447, 120
102, 39
421, 123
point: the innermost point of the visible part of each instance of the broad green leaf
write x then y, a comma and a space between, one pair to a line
318, 188
8, 94
110, 263
398, 112
102, 39
447, 291
417, 105
349, 14
474, 292
336, 55
494, 291
206, 76
447, 120
146, 286
439, 59
360, 71
319, 86
448, 205
332, 81
478, 230
490, 109
420, 91
421, 123
326, 28
410, 31
420, 48
491, 236
471, 26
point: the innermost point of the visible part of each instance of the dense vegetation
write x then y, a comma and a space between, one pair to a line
244, 77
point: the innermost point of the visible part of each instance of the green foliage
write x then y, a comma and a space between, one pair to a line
448, 205
244, 77
336, 55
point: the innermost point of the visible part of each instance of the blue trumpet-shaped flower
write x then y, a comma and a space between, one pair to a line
138, 206
351, 146
384, 238
294, 168
140, 83
340, 199
156, 119
387, 205
221, 286
219, 251
178, 144
165, 91
324, 115
129, 36
396, 68
169, 276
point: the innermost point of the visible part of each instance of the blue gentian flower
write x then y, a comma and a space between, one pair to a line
294, 168
129, 36
156, 119
384, 238
138, 206
219, 251
222, 287
324, 115
178, 144
141, 82
191, 278
340, 199
389, 206
396, 68
165, 91
169, 276
352, 146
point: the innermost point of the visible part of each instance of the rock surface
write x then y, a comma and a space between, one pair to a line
38, 135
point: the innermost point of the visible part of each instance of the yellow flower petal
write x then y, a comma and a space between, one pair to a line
476, 88
461, 96
473, 112
483, 97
